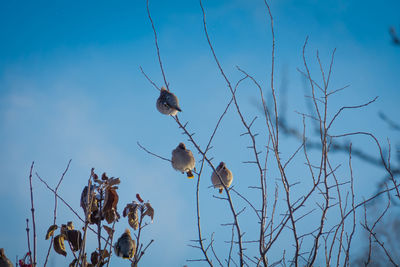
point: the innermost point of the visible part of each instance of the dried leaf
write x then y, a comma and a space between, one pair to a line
139, 198
110, 206
95, 177
133, 218
110, 216
127, 209
84, 199
73, 263
94, 257
109, 230
63, 230
59, 246
70, 226
113, 181
104, 176
111, 199
105, 254
75, 238
131, 210
94, 217
149, 211
50, 231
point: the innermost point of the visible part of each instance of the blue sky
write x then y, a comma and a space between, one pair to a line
71, 88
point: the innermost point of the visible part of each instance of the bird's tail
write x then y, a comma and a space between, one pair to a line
190, 174
221, 190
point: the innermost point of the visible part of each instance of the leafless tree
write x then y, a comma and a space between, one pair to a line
325, 195
329, 238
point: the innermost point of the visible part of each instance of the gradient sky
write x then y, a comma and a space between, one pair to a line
71, 88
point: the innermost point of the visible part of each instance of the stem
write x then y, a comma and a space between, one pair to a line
33, 216
29, 244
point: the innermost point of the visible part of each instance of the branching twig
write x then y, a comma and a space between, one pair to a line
151, 153
55, 211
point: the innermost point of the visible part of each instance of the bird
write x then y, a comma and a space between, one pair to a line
225, 174
167, 103
183, 160
125, 246
4, 261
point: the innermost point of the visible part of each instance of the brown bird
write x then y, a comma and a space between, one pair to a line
183, 160
125, 246
4, 261
225, 174
167, 103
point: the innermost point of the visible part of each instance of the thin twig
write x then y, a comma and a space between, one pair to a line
156, 43
55, 211
147, 77
151, 153
29, 244
33, 216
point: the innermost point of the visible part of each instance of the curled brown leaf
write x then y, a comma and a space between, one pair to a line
50, 231
59, 246
109, 230
149, 211
75, 238
110, 205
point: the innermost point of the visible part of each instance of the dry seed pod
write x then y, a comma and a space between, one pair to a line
50, 231
59, 246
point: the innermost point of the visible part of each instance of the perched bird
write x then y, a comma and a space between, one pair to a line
183, 160
4, 261
167, 103
225, 174
125, 246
